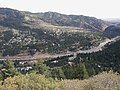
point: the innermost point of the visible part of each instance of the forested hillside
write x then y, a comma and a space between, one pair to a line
90, 63
25, 32
41, 78
112, 31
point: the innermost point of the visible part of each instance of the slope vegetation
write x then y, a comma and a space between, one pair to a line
25, 32
103, 81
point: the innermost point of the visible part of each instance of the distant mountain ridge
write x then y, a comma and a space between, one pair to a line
113, 30
54, 18
73, 20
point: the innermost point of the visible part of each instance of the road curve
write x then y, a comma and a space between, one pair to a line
94, 49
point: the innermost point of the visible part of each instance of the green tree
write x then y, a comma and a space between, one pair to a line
58, 73
41, 68
32, 52
8, 69
29, 82
1, 77
91, 71
81, 72
69, 71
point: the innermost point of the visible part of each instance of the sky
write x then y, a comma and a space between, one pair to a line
96, 8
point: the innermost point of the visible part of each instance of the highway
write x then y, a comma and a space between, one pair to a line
94, 49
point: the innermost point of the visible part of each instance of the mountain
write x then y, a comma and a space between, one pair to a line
18, 17
80, 21
112, 31
49, 32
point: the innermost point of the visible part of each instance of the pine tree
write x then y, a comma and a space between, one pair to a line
91, 71
81, 72
58, 73
41, 68
8, 69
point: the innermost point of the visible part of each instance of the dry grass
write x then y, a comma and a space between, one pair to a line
103, 81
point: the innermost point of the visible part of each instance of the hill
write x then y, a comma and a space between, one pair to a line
50, 32
103, 81
20, 18
112, 31
96, 62
80, 21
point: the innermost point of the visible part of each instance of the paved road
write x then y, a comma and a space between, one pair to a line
94, 49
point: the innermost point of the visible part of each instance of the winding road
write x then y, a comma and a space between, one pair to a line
94, 49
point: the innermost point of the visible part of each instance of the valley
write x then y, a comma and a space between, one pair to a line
50, 32
35, 57
54, 51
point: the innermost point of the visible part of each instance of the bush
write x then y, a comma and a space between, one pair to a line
29, 82
103, 81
